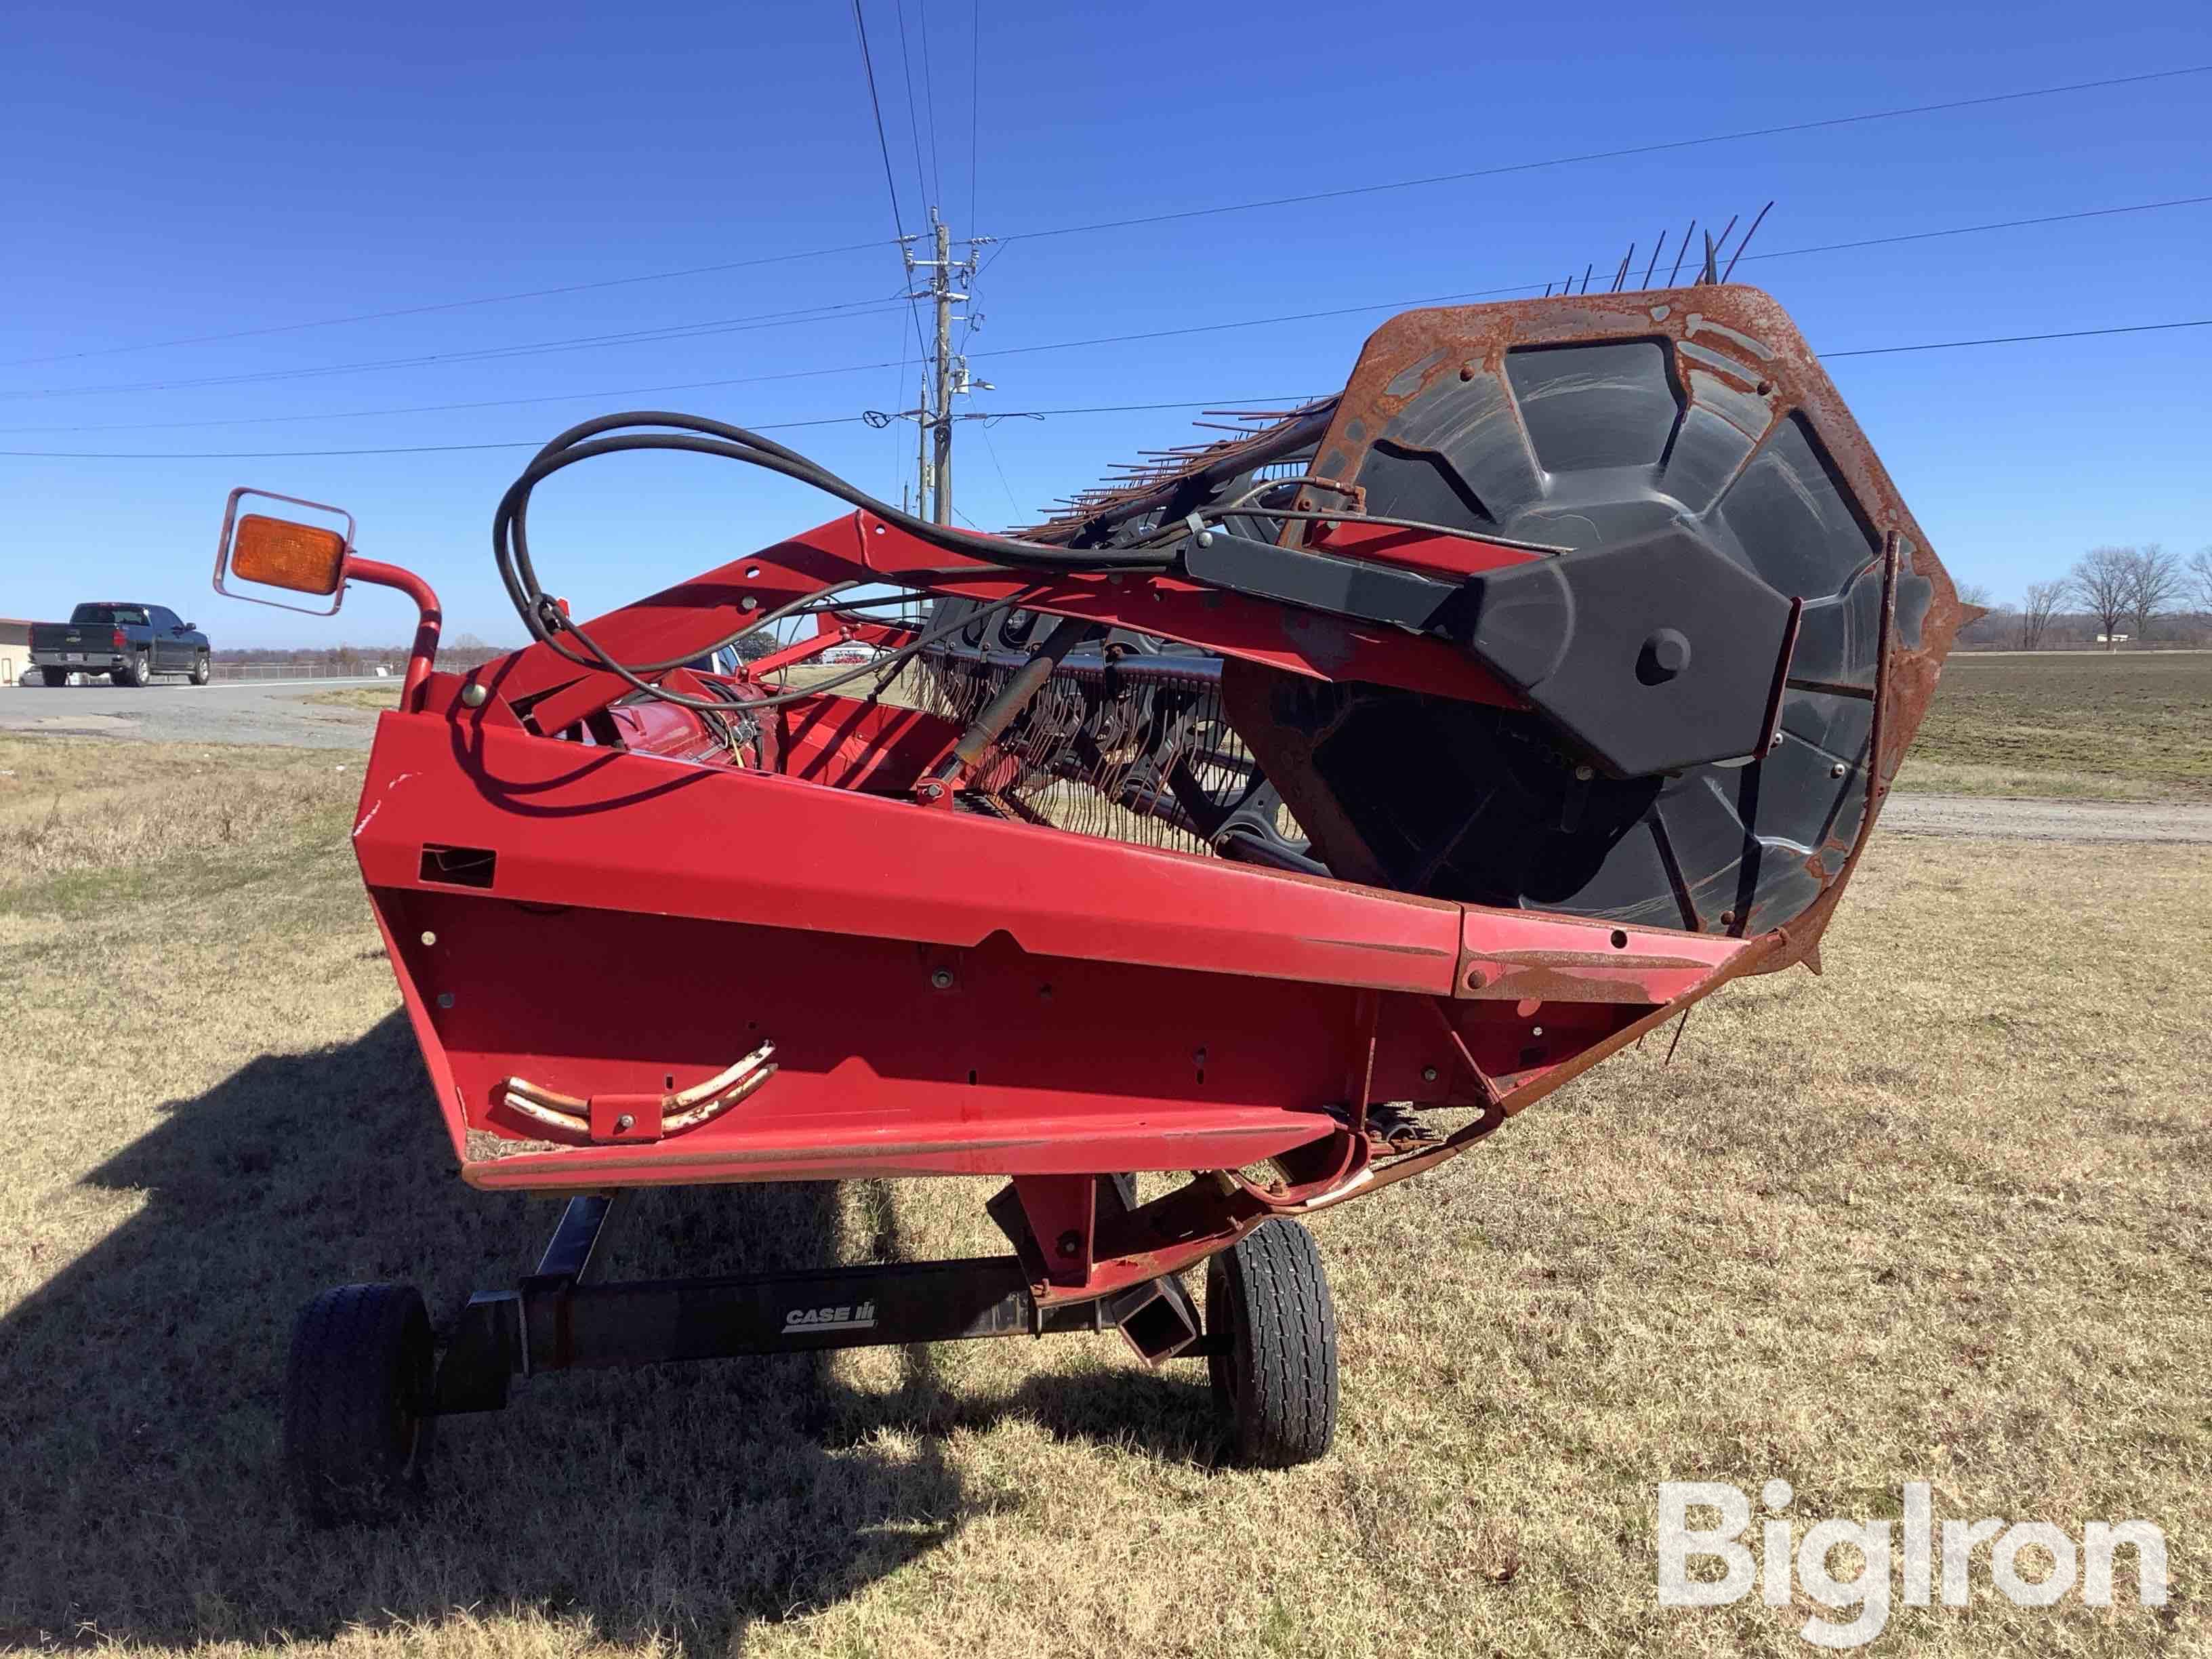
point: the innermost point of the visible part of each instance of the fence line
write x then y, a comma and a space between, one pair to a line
380, 668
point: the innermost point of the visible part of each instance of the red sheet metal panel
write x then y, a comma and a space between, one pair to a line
577, 825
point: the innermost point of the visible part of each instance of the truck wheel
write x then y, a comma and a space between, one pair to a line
55, 676
203, 671
140, 671
356, 1434
1275, 1370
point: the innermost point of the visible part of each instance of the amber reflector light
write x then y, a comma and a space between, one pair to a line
283, 554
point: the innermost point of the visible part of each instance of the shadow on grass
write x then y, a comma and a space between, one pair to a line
140, 1496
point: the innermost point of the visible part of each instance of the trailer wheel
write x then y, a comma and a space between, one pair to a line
1274, 1373
355, 1437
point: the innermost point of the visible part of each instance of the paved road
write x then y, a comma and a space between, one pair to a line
169, 712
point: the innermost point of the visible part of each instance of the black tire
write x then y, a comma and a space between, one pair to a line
202, 669
140, 672
55, 676
356, 1434
1274, 1376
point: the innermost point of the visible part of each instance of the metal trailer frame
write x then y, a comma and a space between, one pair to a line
554, 1321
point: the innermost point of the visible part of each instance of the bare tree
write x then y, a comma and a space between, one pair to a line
2042, 604
2155, 583
1986, 629
2103, 584
2200, 575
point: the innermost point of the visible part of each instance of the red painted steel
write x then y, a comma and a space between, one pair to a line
621, 904
693, 615
424, 653
620, 911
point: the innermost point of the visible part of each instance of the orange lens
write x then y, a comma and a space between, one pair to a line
283, 554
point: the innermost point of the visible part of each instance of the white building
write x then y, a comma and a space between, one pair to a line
15, 650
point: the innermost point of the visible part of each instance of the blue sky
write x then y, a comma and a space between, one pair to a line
182, 171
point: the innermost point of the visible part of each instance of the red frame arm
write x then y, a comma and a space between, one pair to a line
429, 619
692, 615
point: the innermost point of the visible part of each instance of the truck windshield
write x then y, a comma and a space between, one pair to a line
108, 615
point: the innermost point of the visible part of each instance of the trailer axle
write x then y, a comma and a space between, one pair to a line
552, 1321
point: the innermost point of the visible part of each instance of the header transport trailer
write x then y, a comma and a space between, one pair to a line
1285, 818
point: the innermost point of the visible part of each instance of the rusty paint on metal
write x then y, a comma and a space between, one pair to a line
1151, 485
1722, 320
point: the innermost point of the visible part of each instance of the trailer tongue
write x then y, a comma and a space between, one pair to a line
1286, 817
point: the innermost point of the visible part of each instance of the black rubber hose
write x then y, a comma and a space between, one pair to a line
696, 434
599, 659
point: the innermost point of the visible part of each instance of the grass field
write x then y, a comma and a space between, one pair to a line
2085, 724
1938, 1215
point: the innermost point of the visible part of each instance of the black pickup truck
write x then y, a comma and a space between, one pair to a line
129, 643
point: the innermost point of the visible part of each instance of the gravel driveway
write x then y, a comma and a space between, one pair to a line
2048, 820
171, 711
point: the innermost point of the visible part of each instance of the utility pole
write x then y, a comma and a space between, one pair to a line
940, 382
943, 513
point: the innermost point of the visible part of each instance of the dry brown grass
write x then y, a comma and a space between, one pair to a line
1940, 1214
79, 817
382, 697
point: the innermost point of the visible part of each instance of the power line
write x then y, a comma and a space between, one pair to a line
929, 96
842, 420
913, 114
1388, 305
900, 363
1531, 287
2017, 339
673, 330
539, 443
898, 223
898, 464
975, 96
1616, 153
983, 431
573, 343
1314, 316
449, 305
868, 64
1970, 230
933, 381
256, 455
968, 323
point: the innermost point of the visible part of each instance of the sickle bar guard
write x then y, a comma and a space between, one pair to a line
1348, 784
